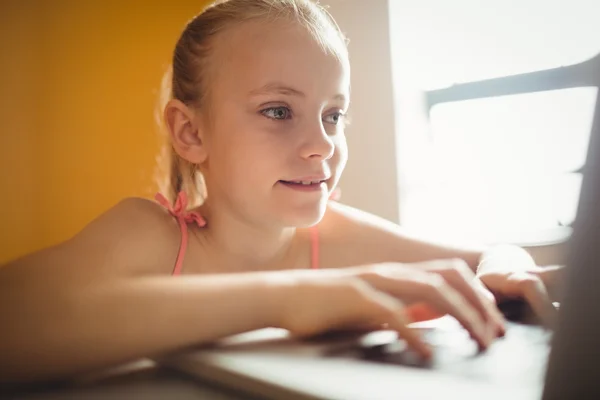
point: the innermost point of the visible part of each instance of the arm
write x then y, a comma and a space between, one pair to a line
105, 297
62, 334
364, 238
358, 237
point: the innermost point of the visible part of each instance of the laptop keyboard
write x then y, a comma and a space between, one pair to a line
456, 353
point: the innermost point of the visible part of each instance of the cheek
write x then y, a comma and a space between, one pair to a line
254, 163
228, 163
340, 156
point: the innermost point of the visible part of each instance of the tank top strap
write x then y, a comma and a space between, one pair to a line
183, 217
314, 234
314, 247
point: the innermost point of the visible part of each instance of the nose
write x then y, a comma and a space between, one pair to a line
317, 143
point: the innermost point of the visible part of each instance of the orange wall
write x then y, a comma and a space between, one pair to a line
78, 86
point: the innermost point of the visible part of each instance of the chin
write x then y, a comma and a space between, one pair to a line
304, 217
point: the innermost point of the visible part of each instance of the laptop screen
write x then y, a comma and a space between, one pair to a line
573, 369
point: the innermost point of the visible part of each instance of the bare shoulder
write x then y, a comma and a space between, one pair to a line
351, 236
135, 236
134, 216
139, 232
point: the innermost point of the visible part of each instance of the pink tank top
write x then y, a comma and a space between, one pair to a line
184, 217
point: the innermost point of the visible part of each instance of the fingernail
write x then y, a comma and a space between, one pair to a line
501, 330
427, 352
500, 324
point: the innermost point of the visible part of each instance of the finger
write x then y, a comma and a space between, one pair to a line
458, 275
418, 285
392, 311
535, 293
551, 276
447, 299
472, 289
495, 282
490, 302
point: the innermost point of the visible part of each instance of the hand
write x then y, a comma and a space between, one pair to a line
370, 296
536, 285
510, 272
460, 275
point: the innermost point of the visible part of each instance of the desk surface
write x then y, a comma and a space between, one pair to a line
140, 380
144, 379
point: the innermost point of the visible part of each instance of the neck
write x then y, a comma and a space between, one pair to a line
232, 244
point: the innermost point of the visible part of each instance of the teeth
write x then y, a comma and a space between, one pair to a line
306, 182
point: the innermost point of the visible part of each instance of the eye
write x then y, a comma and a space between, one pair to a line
334, 118
277, 113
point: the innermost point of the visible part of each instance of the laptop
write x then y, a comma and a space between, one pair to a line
270, 364
529, 363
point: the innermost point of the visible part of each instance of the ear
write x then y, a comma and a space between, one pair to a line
185, 131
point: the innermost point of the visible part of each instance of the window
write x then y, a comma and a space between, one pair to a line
492, 132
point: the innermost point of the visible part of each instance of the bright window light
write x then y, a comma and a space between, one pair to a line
499, 168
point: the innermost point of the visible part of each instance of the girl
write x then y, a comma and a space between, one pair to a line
255, 116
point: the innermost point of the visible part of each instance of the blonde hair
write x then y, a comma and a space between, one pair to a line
186, 80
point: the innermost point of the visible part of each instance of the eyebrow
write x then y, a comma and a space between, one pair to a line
279, 88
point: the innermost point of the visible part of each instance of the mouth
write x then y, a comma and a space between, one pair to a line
304, 182
306, 185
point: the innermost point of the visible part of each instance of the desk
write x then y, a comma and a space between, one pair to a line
140, 380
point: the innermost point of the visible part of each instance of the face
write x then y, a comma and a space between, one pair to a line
275, 141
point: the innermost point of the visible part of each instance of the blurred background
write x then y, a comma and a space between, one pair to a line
79, 83
470, 118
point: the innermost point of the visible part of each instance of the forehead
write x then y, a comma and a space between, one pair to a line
255, 53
